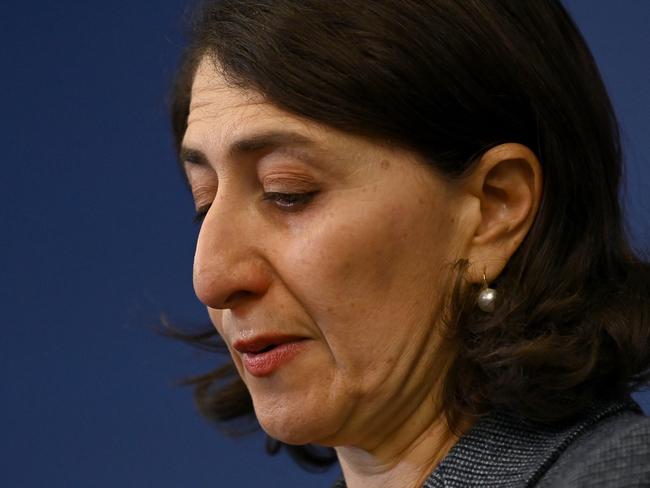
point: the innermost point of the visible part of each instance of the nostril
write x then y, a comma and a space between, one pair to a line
236, 296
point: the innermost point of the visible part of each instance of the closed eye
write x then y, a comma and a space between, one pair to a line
201, 213
289, 201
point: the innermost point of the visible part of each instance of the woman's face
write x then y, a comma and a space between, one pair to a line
329, 303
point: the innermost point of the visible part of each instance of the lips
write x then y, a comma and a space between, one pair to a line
263, 355
263, 343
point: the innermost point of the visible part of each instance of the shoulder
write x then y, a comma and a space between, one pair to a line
614, 453
606, 446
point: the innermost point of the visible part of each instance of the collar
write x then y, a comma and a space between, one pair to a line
504, 450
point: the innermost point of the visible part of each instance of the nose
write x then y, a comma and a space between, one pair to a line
228, 266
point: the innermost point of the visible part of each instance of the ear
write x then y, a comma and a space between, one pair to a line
507, 181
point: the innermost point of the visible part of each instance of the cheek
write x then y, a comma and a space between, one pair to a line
216, 317
366, 277
344, 257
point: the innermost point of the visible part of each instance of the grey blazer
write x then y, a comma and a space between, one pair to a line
607, 447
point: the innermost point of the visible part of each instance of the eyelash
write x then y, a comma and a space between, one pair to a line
200, 214
295, 200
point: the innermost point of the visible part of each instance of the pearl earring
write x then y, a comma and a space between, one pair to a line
487, 297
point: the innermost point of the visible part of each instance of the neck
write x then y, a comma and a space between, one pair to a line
405, 457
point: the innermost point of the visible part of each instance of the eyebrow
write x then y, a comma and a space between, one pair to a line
263, 141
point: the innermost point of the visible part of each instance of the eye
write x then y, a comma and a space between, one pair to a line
204, 192
201, 213
289, 201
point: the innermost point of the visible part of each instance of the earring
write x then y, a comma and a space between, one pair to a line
486, 297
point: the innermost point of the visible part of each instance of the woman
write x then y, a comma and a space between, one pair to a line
411, 240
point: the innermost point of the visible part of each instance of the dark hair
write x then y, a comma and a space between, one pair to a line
451, 79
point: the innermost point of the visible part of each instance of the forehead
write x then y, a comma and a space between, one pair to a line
219, 112
212, 97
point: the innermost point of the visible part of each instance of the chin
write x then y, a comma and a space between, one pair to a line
297, 422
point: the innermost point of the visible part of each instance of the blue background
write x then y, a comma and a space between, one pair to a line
97, 241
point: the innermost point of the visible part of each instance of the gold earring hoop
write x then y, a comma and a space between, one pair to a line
487, 297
